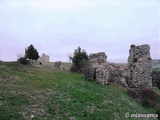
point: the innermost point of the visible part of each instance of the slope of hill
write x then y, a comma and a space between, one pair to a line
44, 93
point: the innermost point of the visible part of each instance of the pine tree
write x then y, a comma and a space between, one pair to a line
31, 53
79, 60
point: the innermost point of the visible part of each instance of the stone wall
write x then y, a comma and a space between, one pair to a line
117, 74
104, 71
98, 58
33, 62
44, 58
139, 66
102, 75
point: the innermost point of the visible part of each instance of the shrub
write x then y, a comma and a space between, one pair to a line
23, 61
79, 60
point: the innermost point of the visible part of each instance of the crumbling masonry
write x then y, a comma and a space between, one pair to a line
105, 71
139, 66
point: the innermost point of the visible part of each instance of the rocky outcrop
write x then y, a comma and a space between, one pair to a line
139, 66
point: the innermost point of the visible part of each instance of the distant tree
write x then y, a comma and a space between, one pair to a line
79, 60
31, 53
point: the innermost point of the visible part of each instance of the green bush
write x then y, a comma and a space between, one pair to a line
79, 60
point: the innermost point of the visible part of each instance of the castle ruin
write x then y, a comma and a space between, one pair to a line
105, 71
44, 58
139, 74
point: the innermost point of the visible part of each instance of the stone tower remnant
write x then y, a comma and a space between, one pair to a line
139, 66
44, 58
97, 60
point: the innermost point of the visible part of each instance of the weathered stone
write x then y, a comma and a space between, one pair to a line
105, 71
102, 75
44, 58
59, 65
98, 58
124, 67
139, 66
118, 76
90, 73
33, 62
156, 79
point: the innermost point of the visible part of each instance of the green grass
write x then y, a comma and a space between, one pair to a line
157, 90
44, 93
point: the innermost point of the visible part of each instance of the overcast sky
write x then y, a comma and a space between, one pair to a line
58, 27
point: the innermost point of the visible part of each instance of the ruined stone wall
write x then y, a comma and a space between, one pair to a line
44, 58
98, 58
33, 62
139, 66
59, 65
102, 75
104, 71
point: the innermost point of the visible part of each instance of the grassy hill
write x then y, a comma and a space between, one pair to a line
45, 93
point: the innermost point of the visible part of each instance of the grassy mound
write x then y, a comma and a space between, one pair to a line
44, 93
